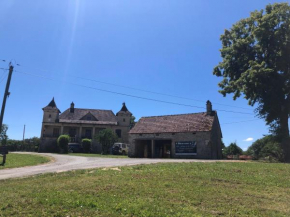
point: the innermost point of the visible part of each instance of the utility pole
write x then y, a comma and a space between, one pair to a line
6, 94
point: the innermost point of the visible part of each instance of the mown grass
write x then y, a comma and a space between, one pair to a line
173, 189
21, 160
98, 155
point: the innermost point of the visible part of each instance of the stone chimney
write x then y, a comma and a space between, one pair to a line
208, 108
72, 107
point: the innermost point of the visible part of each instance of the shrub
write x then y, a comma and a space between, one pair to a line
107, 138
87, 144
62, 143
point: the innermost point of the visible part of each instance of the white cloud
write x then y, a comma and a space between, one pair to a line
248, 139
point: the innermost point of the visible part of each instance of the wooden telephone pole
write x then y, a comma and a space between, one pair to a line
6, 94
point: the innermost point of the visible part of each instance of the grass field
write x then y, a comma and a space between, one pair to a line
98, 155
180, 189
21, 160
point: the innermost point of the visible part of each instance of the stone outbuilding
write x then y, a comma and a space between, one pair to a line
81, 123
196, 135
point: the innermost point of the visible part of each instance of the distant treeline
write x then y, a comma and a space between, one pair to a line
31, 144
267, 148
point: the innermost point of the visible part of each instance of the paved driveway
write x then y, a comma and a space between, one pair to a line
64, 163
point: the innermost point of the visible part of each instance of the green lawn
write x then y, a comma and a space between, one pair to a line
98, 155
21, 160
173, 189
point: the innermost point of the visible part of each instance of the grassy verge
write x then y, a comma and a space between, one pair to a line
21, 160
182, 189
98, 155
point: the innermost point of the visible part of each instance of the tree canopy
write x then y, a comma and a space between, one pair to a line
256, 64
106, 138
266, 147
232, 149
3, 134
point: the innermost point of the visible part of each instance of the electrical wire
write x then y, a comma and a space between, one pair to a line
128, 95
147, 91
241, 121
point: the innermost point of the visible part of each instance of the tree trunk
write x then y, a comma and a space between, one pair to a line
285, 136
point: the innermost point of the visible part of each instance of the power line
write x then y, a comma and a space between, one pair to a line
148, 91
241, 121
3, 76
129, 95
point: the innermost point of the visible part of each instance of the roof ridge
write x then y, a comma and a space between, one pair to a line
93, 109
173, 115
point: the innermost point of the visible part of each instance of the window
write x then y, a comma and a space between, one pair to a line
119, 133
123, 145
89, 118
55, 132
124, 120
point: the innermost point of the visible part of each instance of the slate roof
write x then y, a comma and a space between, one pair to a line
124, 109
195, 122
102, 116
51, 105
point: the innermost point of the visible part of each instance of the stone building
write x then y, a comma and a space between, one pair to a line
81, 123
196, 135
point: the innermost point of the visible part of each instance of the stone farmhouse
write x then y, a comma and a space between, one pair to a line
81, 123
196, 135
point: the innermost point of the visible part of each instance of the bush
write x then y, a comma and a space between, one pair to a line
267, 147
232, 149
62, 143
87, 144
107, 138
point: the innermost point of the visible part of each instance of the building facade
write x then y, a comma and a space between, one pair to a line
196, 135
81, 123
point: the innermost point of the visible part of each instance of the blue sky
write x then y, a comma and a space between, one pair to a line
163, 46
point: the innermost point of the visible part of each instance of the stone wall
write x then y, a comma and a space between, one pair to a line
202, 139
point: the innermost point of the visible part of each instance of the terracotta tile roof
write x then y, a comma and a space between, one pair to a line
195, 122
102, 116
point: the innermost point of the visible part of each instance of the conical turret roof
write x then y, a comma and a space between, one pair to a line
51, 105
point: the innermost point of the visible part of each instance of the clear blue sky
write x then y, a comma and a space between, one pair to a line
163, 46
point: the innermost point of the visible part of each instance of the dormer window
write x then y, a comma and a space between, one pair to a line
89, 118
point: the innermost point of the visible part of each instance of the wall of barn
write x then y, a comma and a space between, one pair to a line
205, 145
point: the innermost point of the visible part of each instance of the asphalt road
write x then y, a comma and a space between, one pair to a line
62, 163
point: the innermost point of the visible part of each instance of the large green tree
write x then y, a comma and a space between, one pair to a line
256, 64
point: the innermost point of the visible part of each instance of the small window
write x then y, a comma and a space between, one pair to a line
89, 118
124, 120
49, 116
123, 145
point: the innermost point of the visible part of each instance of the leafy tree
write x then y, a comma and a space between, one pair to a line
62, 143
256, 54
232, 149
3, 134
266, 147
87, 144
107, 138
